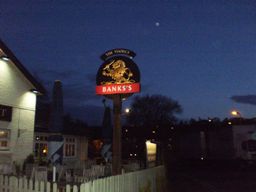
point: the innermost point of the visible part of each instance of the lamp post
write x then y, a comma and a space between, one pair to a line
237, 116
236, 113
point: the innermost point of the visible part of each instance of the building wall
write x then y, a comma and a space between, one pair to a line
220, 143
75, 148
243, 133
15, 92
82, 148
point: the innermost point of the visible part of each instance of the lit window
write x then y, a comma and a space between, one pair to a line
4, 139
41, 146
69, 147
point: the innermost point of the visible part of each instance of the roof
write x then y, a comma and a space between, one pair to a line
8, 53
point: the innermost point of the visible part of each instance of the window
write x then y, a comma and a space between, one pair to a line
249, 145
4, 139
41, 146
5, 113
69, 147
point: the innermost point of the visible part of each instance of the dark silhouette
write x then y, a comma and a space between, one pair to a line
152, 115
55, 153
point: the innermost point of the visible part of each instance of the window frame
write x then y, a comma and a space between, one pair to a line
69, 147
40, 143
5, 139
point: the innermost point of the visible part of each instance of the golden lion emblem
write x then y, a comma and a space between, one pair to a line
118, 71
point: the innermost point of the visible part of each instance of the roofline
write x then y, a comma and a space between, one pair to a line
39, 87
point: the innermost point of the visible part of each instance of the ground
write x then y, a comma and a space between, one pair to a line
213, 176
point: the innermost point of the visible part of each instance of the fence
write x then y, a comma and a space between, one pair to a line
148, 180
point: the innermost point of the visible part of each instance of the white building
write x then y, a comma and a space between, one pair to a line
18, 91
75, 148
244, 139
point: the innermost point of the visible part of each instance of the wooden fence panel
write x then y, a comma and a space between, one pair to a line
86, 187
54, 187
13, 183
75, 188
6, 186
48, 187
1, 182
82, 187
42, 186
30, 186
108, 184
36, 186
68, 188
151, 180
21, 184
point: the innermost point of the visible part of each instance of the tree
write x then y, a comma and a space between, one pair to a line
152, 114
152, 118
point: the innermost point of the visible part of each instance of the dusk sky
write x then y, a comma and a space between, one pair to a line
200, 53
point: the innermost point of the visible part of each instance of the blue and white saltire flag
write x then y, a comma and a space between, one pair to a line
106, 152
55, 140
55, 152
107, 134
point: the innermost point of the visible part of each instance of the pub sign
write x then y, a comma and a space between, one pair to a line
118, 74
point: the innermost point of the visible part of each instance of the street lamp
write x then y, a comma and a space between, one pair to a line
236, 113
237, 116
127, 110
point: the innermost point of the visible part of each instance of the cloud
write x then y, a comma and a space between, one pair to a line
244, 99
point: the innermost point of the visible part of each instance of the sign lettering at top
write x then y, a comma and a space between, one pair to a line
115, 52
118, 74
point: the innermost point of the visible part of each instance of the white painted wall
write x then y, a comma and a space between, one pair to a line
15, 92
242, 133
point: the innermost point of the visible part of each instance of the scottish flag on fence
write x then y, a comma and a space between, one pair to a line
55, 140
55, 152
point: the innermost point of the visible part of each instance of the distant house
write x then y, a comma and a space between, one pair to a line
18, 94
75, 136
231, 139
244, 140
75, 147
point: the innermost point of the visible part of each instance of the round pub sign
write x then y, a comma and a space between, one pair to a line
118, 74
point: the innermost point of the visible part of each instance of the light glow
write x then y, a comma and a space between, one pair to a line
3, 66
28, 99
127, 110
236, 113
34, 91
44, 151
151, 151
4, 58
